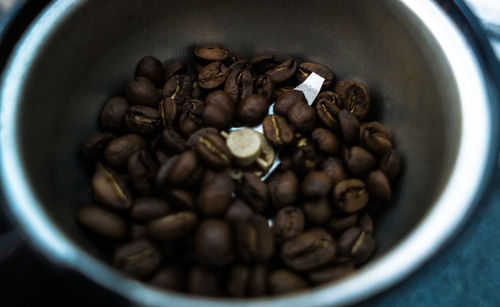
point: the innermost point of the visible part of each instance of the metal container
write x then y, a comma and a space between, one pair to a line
426, 64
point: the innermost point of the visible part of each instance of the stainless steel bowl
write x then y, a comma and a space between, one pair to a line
426, 74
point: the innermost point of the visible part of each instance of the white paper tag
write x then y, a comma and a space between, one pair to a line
311, 87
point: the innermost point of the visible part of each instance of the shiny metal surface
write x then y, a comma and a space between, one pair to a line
425, 79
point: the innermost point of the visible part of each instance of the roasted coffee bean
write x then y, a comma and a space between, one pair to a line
252, 110
138, 231
277, 131
181, 199
193, 139
163, 173
201, 281
356, 98
333, 168
378, 186
186, 171
288, 223
169, 277
284, 88
216, 116
238, 282
141, 171
358, 160
93, 147
318, 212
151, 68
238, 64
349, 125
328, 274
141, 91
139, 258
285, 102
284, 281
173, 142
390, 163
213, 151
211, 53
316, 185
215, 193
254, 192
302, 117
169, 112
283, 71
239, 84
263, 63
305, 69
338, 225
365, 222
113, 114
376, 137
309, 250
102, 222
350, 195
178, 88
173, 226
284, 189
265, 87
357, 244
304, 159
120, 149
259, 281
327, 106
326, 140
191, 117
213, 243
149, 208
213, 75
177, 68
222, 100
142, 119
110, 190
255, 239
238, 211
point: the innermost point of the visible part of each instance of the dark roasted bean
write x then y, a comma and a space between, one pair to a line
284, 189
254, 192
356, 97
110, 190
139, 258
215, 193
113, 114
151, 68
213, 151
120, 149
149, 208
141, 91
213, 243
376, 137
102, 222
173, 226
288, 223
284, 281
277, 131
255, 239
350, 195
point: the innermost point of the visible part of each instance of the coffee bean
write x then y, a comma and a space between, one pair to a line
213, 243
138, 231
328, 274
259, 280
238, 281
365, 222
305, 69
390, 163
255, 239
102, 222
216, 116
211, 53
378, 186
350, 195
186, 171
263, 63
178, 88
173, 142
302, 117
120, 149
333, 168
264, 86
238, 211
213, 75
285, 102
93, 147
284, 189
327, 106
318, 212
284, 281
201, 281
169, 277
141, 172
283, 71
191, 117
222, 100
237, 64
376, 137
110, 190
309, 250
163, 173
356, 97
252, 110
288, 223
358, 160
113, 114
254, 192
239, 85
326, 140
142, 119
193, 139
277, 131
337, 225
213, 151
173, 226
169, 111
215, 193
176, 68
138, 258
316, 185
349, 125
148, 208
181, 199
357, 244
151, 68
304, 158
141, 91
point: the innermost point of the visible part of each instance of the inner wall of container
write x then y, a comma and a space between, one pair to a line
91, 55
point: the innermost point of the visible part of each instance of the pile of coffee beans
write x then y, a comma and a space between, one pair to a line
186, 195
